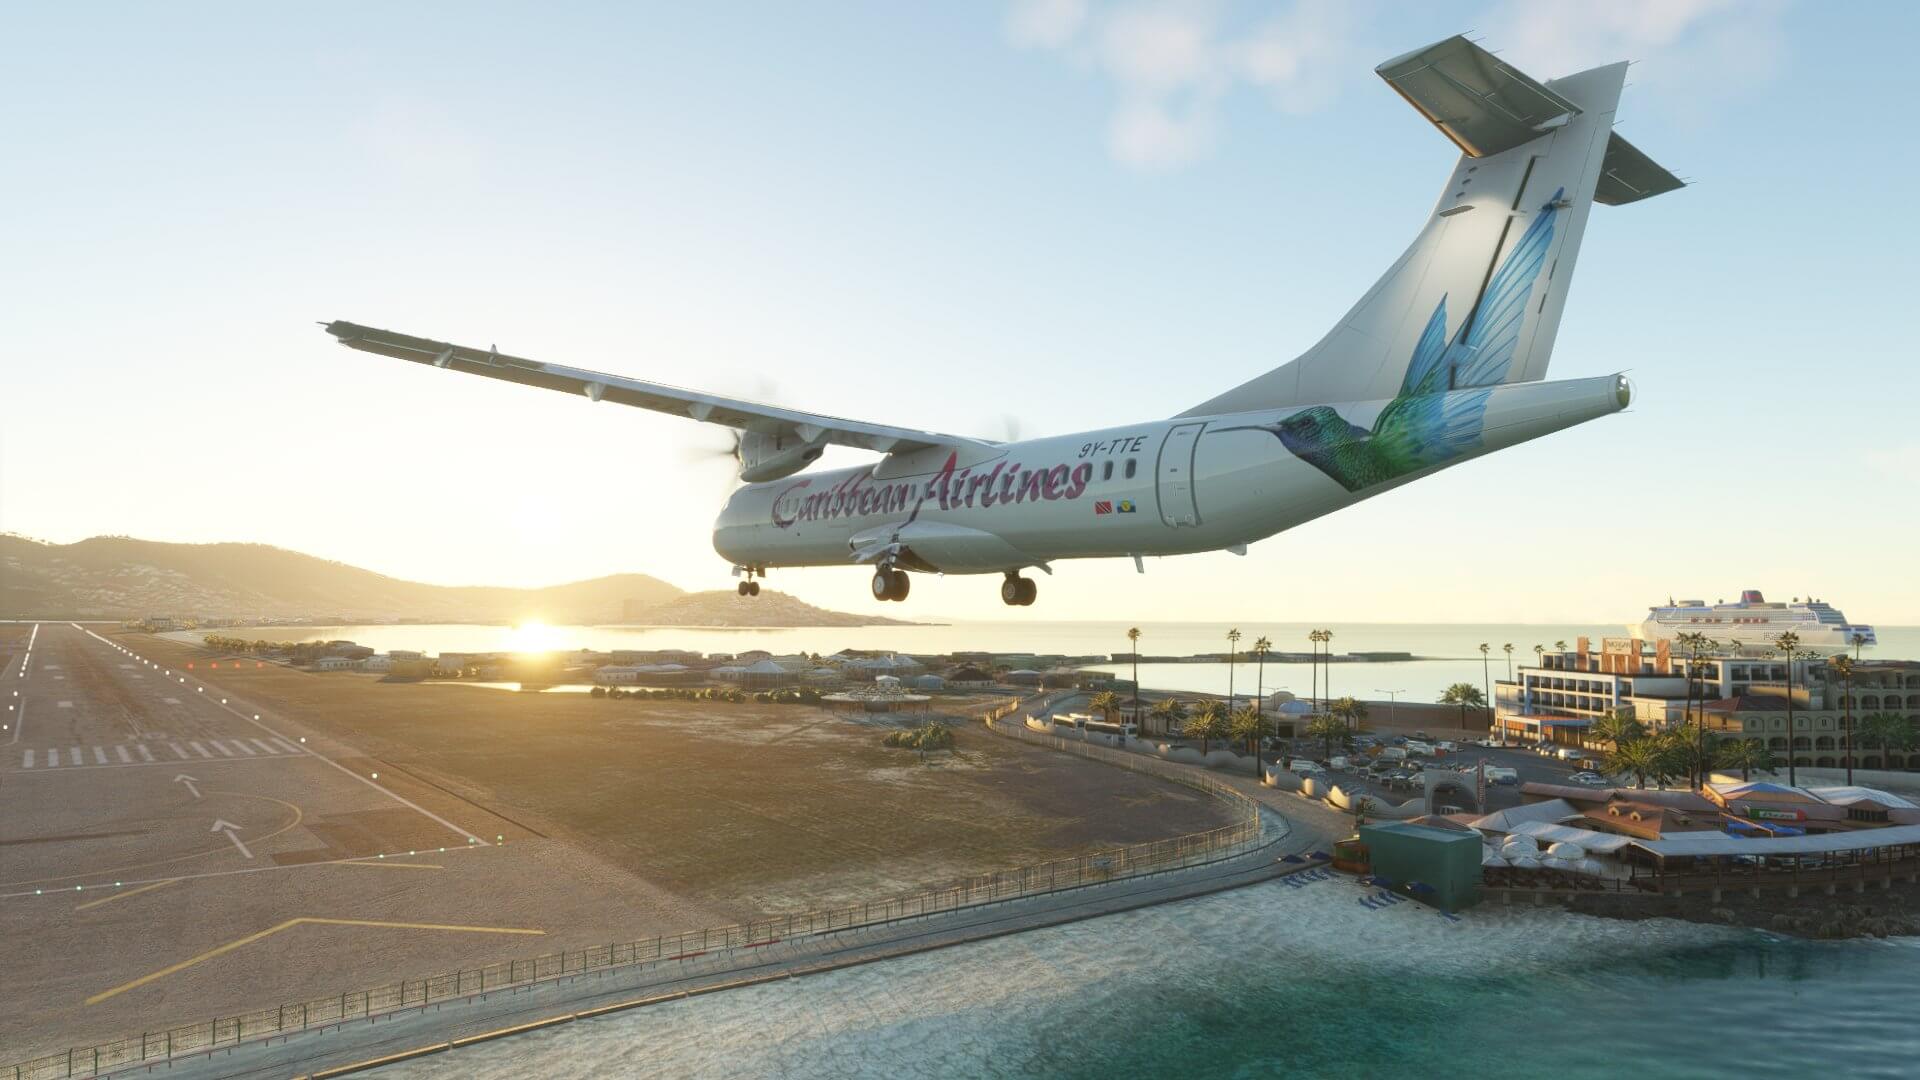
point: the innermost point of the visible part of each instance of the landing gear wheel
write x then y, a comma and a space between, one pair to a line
743, 587
753, 588
1017, 591
900, 584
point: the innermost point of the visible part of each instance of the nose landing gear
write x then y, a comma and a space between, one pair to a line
890, 584
750, 587
1017, 591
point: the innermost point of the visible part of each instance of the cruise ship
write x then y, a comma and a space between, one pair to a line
1754, 624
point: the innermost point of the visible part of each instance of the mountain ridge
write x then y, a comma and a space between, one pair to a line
123, 577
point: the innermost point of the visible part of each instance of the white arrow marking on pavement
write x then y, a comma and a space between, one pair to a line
183, 778
230, 829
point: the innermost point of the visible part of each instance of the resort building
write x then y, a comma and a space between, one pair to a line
1558, 698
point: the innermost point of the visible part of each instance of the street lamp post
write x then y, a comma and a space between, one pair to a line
1393, 705
1133, 641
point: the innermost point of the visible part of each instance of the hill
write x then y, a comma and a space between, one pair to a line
727, 608
118, 577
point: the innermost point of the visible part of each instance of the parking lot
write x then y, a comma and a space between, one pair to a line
1527, 765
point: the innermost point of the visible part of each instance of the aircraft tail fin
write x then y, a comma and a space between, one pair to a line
1476, 300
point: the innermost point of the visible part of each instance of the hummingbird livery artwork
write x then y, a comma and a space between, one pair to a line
1437, 414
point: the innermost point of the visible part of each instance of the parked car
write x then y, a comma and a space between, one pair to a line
1588, 779
1299, 766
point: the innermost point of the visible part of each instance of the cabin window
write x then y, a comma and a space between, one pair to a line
1129, 468
1107, 472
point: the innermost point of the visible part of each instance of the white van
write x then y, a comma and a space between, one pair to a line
1303, 767
1419, 748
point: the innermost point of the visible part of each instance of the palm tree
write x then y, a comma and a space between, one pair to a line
1233, 642
1349, 712
1508, 649
1314, 637
1464, 695
1104, 703
1326, 661
1788, 644
1486, 677
1747, 755
1887, 731
1617, 727
1843, 667
1206, 722
1133, 639
1327, 729
1261, 646
1689, 751
1642, 758
1247, 725
1170, 712
1560, 646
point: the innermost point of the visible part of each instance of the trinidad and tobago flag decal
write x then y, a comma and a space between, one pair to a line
1103, 506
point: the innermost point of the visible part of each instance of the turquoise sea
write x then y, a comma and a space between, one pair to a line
1283, 981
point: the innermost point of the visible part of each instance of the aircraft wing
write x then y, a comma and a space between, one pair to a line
596, 386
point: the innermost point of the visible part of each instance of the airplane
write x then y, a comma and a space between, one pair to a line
1443, 360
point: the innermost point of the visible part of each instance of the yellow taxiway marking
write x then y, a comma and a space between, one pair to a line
402, 865
124, 895
221, 950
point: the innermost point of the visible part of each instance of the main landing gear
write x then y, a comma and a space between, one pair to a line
890, 584
750, 587
1017, 591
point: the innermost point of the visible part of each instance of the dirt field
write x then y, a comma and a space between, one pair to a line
753, 809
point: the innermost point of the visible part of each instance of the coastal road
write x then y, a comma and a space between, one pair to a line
170, 852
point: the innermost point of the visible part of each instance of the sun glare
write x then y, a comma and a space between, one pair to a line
533, 636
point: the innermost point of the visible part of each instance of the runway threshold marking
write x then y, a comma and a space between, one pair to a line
239, 943
401, 865
252, 718
127, 893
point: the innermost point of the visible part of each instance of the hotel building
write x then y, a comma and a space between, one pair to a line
1557, 699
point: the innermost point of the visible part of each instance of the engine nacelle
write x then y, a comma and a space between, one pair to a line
770, 457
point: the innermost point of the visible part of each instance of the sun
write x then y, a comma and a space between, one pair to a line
533, 636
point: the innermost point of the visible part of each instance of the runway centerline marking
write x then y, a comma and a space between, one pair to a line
239, 943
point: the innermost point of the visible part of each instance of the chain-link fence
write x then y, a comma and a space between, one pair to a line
1095, 868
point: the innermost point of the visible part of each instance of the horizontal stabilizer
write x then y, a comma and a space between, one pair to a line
1627, 175
1474, 98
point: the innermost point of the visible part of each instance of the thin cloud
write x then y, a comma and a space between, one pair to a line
1171, 63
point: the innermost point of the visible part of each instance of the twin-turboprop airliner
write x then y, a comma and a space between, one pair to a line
1441, 361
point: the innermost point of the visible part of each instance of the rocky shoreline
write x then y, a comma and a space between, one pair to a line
1876, 913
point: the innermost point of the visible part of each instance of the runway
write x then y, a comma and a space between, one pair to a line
171, 849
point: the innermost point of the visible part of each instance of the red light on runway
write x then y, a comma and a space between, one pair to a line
189, 666
258, 663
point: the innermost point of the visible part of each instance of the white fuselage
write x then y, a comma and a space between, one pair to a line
1164, 487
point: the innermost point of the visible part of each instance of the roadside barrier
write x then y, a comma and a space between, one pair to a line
371, 1004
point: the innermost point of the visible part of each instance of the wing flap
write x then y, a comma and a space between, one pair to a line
658, 397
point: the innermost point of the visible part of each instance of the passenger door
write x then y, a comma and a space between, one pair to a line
1175, 475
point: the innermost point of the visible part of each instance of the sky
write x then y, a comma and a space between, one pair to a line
1034, 218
